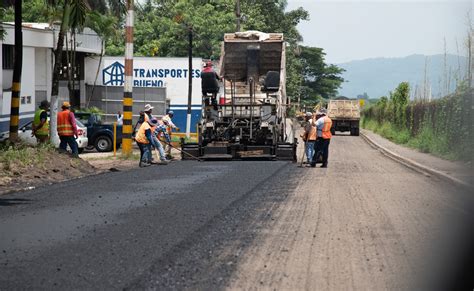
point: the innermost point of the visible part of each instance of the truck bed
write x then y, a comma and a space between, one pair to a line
344, 109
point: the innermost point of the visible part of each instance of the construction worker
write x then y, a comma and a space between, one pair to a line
323, 130
167, 119
41, 123
309, 137
144, 139
161, 130
145, 115
67, 129
208, 75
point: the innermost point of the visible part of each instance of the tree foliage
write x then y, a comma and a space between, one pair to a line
320, 80
443, 126
162, 26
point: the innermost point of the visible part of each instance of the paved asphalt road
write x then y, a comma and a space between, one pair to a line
366, 222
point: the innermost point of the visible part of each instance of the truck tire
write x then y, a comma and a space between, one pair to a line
355, 131
103, 143
80, 150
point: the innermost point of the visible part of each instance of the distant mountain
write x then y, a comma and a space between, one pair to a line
378, 76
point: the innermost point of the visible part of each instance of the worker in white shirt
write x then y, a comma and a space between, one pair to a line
167, 119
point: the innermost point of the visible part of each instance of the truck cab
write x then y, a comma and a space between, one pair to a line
100, 135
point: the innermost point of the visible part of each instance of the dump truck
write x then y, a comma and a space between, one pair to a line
345, 115
249, 121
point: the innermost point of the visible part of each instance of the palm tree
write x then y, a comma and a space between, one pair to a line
106, 26
73, 17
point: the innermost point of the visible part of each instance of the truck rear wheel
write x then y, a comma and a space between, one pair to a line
355, 131
103, 143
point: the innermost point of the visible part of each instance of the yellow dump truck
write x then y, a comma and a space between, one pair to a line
345, 115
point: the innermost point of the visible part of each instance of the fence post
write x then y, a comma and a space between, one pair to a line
115, 139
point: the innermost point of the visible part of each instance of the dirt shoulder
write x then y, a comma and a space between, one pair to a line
364, 223
463, 171
28, 168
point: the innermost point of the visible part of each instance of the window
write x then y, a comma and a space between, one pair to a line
7, 56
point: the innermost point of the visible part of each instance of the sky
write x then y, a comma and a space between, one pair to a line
359, 29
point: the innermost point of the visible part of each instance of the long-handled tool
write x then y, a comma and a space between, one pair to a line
186, 153
302, 158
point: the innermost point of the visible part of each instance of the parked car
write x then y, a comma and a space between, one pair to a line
24, 134
100, 135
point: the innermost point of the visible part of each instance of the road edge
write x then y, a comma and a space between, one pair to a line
425, 170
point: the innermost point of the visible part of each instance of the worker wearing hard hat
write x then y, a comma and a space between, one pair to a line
309, 136
145, 140
323, 130
161, 131
167, 119
67, 129
40, 123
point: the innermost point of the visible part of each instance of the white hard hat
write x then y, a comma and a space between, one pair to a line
309, 114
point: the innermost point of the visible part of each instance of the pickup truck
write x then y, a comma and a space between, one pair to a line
100, 135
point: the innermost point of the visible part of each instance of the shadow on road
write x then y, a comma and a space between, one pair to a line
12, 202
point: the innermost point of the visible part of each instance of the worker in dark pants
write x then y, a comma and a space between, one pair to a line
323, 130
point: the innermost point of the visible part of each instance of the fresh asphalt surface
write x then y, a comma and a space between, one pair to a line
109, 230
237, 225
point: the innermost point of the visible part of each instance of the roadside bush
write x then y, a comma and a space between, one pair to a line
443, 126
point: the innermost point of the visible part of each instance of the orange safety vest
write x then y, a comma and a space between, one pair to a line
141, 137
327, 128
64, 125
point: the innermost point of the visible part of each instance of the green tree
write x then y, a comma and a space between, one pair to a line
73, 16
321, 80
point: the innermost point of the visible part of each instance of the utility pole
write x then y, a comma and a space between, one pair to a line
237, 14
190, 81
16, 86
128, 85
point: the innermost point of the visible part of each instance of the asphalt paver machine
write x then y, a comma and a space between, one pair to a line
244, 103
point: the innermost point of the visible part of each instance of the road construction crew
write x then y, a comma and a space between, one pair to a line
144, 139
67, 129
167, 120
323, 129
309, 136
41, 123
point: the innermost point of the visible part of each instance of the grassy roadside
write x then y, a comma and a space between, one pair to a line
22, 167
22, 156
425, 141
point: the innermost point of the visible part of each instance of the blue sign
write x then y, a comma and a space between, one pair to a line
113, 74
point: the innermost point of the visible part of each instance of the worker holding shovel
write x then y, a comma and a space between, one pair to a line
160, 130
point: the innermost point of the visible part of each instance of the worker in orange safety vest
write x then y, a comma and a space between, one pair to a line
323, 129
67, 129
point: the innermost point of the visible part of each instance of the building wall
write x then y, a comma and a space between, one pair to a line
27, 94
43, 71
151, 72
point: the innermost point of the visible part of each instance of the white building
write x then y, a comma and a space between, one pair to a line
38, 59
166, 80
